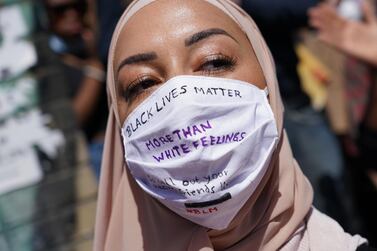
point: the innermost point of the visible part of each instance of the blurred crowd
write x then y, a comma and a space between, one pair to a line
326, 61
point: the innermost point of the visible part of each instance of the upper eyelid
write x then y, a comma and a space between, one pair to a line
155, 65
147, 77
137, 59
136, 83
215, 57
214, 48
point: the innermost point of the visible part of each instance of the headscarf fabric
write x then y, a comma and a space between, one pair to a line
130, 219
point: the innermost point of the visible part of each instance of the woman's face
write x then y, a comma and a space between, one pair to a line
169, 38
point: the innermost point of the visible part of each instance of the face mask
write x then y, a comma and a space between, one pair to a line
201, 145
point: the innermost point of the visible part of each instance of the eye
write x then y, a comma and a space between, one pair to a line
214, 64
140, 85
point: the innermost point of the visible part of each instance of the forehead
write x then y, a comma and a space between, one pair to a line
165, 20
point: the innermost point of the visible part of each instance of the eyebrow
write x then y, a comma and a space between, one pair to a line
195, 38
206, 34
138, 58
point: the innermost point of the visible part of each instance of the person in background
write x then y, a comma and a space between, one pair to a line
314, 145
75, 42
358, 39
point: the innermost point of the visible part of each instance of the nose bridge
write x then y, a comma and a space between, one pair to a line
178, 63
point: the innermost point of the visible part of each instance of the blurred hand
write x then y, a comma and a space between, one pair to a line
332, 2
90, 42
356, 38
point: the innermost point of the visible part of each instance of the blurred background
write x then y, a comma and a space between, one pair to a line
53, 110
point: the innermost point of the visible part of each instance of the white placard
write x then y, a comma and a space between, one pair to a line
16, 55
19, 169
15, 58
12, 24
13, 96
19, 166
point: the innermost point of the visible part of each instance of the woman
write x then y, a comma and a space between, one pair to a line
208, 164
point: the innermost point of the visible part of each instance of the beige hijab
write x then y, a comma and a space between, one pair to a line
129, 219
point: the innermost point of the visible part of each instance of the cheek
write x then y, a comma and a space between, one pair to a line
251, 73
125, 109
122, 109
249, 67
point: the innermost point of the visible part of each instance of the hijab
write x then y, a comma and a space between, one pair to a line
130, 219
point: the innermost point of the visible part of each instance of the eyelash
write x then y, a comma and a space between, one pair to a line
219, 62
139, 85
212, 65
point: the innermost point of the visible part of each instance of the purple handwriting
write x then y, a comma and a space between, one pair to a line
178, 134
206, 141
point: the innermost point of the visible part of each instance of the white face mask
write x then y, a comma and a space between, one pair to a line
201, 145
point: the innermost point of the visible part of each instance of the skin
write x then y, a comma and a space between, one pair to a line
163, 29
357, 38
